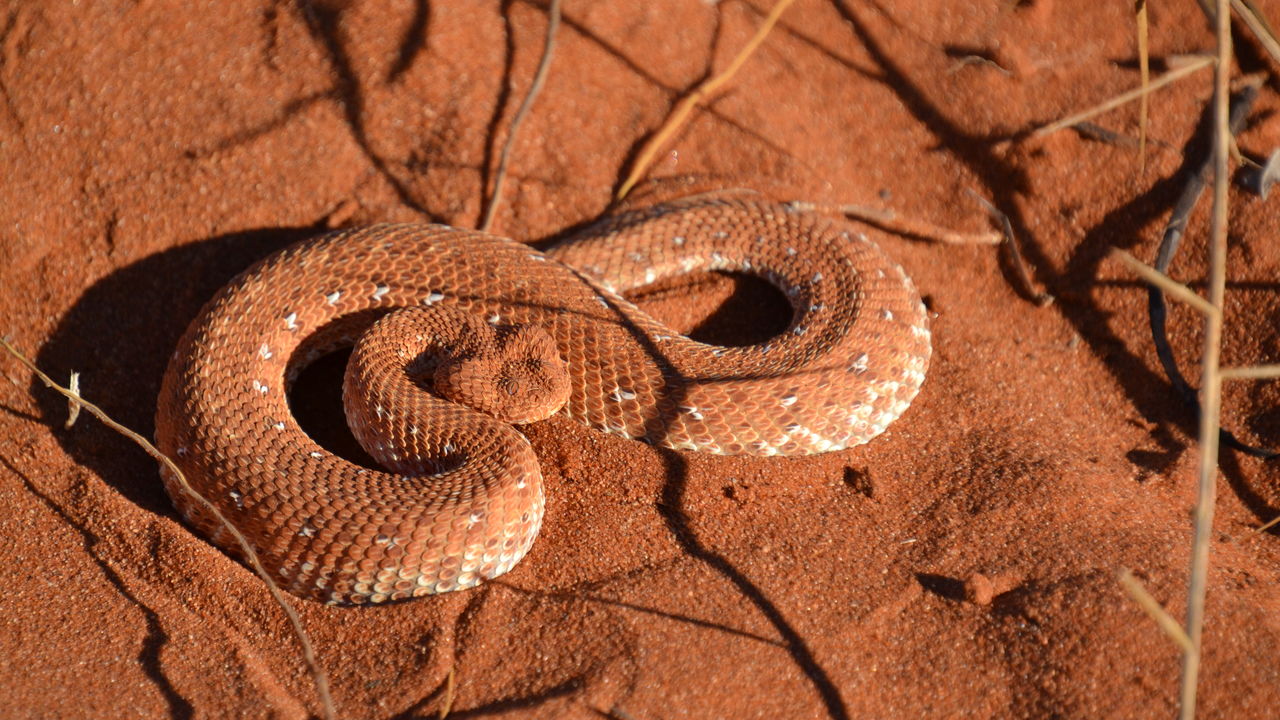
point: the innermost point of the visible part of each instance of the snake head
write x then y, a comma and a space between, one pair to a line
517, 377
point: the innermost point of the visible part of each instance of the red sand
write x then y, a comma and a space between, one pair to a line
964, 564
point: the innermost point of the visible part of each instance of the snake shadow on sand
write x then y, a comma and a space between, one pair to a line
119, 336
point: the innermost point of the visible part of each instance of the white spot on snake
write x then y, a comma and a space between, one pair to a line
788, 401
886, 314
638, 258
791, 251
432, 298
291, 321
521, 484
691, 411
678, 240
917, 331
661, 338
816, 307
413, 429
306, 531
182, 451
759, 239
718, 352
279, 425
650, 276
620, 394
316, 454
474, 518
307, 567
538, 256
237, 498
859, 364
800, 330
817, 278
378, 410
719, 235
260, 387
379, 291
494, 319
264, 352
333, 297
603, 303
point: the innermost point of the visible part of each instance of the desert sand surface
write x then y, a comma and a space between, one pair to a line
963, 564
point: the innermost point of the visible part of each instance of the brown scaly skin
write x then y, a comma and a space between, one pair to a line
850, 363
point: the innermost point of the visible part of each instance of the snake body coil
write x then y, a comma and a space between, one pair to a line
466, 499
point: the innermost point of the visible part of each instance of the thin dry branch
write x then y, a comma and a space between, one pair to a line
1144, 69
893, 222
1211, 383
1172, 76
539, 77
1164, 282
308, 652
446, 706
686, 104
1155, 610
1255, 372
1257, 24
73, 406
1040, 297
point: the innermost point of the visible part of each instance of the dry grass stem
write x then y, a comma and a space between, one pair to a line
73, 406
1155, 610
539, 77
1270, 524
1211, 384
446, 706
1174, 288
1144, 69
686, 104
1015, 252
1256, 372
1172, 76
317, 673
893, 222
1258, 25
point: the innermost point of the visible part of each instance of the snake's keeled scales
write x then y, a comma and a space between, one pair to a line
471, 501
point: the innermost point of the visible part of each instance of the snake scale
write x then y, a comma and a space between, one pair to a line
460, 496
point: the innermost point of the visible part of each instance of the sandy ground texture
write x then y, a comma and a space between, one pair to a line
963, 564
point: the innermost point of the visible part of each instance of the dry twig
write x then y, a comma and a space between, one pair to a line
1144, 69
1039, 297
893, 222
308, 652
539, 77
1211, 383
686, 104
1130, 96
1155, 610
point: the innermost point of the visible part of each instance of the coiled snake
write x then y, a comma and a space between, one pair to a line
461, 498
